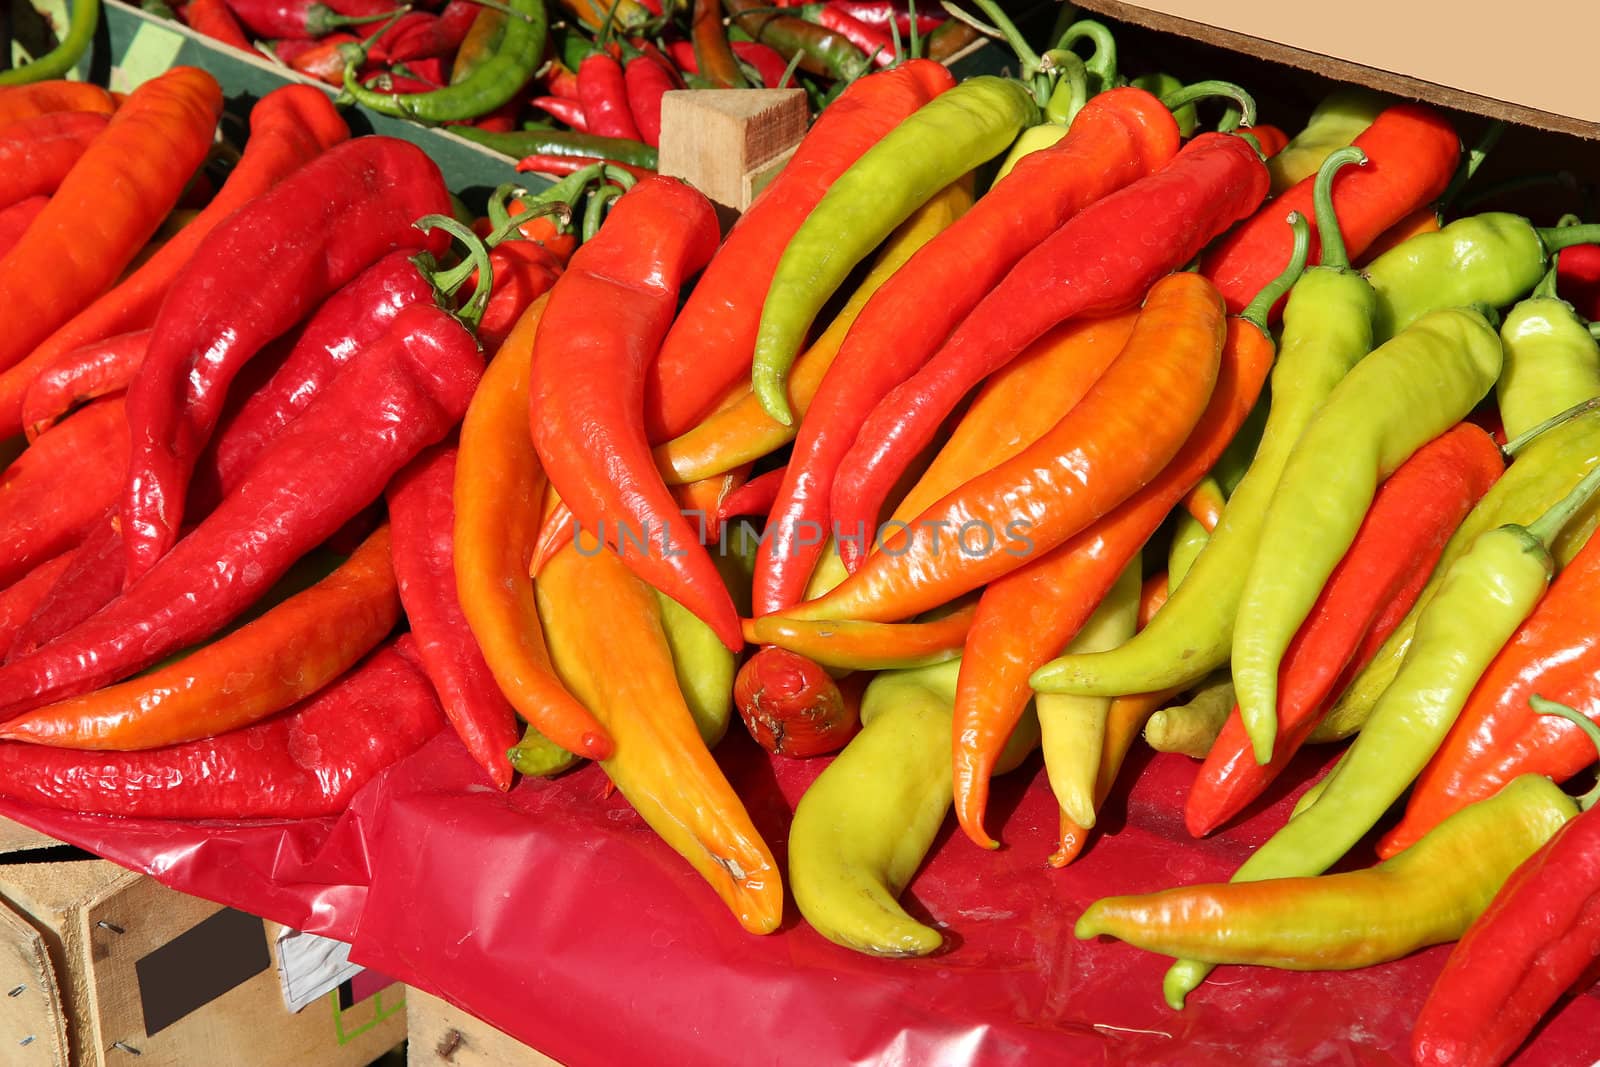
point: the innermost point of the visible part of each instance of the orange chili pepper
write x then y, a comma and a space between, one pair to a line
1423, 220
287, 128
1124, 722
1120, 436
257, 670
1204, 503
499, 486
107, 206
867, 646
20, 102
618, 663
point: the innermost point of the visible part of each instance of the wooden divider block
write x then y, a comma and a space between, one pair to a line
728, 142
442, 1035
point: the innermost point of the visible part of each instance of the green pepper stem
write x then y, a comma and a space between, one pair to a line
595, 214
1569, 219
1258, 309
1102, 63
894, 39
1528, 436
1549, 525
1328, 232
65, 55
512, 227
1071, 92
1005, 29
1555, 238
788, 71
1475, 157
447, 282
1203, 90
914, 46
356, 54
1582, 722
1594, 330
1546, 289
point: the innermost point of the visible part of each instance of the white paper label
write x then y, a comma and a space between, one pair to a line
310, 966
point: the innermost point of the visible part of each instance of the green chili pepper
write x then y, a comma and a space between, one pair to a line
1190, 729
1406, 393
1493, 259
820, 50
493, 83
483, 40
1551, 361
1189, 539
562, 143
1542, 474
1338, 120
865, 825
1483, 598
944, 139
64, 56
538, 756
704, 666
1327, 328
1427, 895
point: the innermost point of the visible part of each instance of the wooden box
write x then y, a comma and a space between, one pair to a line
442, 1035
102, 966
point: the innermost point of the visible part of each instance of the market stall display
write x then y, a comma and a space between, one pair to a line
353, 521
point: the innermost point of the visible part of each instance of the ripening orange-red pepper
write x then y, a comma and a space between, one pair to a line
867, 646
19, 102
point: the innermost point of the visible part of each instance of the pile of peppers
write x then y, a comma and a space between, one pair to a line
559, 88
1219, 437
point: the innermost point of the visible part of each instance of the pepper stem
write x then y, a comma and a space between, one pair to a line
1594, 330
1555, 238
512, 227
1003, 27
1258, 309
1332, 238
1102, 63
595, 214
1547, 526
913, 46
1546, 289
1584, 723
1475, 157
1203, 90
1071, 91
1526, 437
356, 54
447, 282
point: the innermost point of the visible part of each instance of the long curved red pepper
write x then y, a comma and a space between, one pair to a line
587, 382
434, 37
37, 153
288, 126
647, 82
1124, 432
423, 518
15, 220
873, 41
603, 93
1578, 279
81, 374
712, 341
1104, 258
1556, 655
59, 487
767, 62
289, 18
1411, 152
216, 21
564, 109
1027, 616
400, 395
1414, 513
1118, 138
882, 12
309, 235
19, 600
299, 765
92, 579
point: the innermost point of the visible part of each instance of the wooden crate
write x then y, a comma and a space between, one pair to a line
442, 1035
102, 966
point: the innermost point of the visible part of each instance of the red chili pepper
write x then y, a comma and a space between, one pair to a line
604, 95
1578, 279
523, 271
1413, 515
880, 13
754, 497
587, 381
682, 55
647, 82
79, 375
561, 82
1119, 137
563, 110
1411, 154
305, 763
767, 61
713, 340
15, 220
875, 42
430, 36
399, 396
561, 166
502, 119
288, 126
1534, 942
1271, 139
92, 579
213, 19
325, 60
40, 516
36, 153
1113, 250
19, 599
292, 18
423, 518
288, 49
792, 707
310, 234
429, 71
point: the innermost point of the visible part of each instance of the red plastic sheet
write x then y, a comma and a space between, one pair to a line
556, 915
